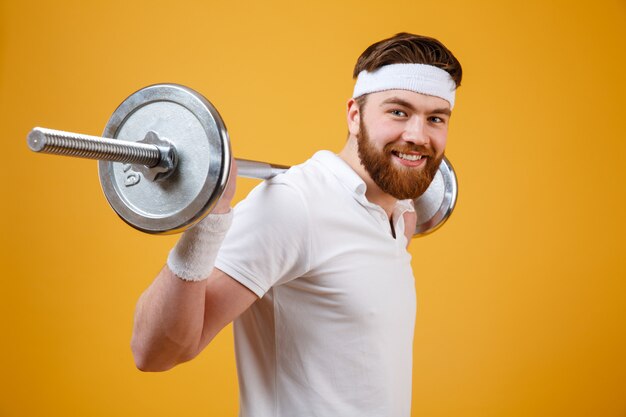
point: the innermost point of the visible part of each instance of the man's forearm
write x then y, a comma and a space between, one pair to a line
168, 322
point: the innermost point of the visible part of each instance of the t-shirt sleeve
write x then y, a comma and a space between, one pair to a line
269, 241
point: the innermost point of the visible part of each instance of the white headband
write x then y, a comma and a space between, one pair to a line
420, 78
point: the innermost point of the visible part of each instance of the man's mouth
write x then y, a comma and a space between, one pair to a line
407, 156
410, 159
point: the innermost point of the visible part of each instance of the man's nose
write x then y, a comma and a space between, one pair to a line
416, 131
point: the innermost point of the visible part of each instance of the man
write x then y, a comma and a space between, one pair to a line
314, 268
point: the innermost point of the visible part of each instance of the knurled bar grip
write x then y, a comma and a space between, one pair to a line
59, 142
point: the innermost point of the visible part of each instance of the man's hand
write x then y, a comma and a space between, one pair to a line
410, 221
223, 205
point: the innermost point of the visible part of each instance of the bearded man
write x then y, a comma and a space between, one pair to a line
314, 270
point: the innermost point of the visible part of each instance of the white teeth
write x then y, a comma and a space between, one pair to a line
410, 157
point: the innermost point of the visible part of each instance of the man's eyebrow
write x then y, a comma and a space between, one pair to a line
398, 101
443, 110
404, 103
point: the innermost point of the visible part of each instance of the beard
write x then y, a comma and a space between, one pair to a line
398, 181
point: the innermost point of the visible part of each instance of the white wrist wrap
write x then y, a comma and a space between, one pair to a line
420, 78
193, 257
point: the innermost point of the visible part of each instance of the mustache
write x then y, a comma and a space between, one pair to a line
407, 148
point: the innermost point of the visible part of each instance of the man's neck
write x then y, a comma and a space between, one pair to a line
373, 193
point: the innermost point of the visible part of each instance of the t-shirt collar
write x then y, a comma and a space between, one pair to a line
351, 180
344, 172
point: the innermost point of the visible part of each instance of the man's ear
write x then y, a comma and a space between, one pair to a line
354, 117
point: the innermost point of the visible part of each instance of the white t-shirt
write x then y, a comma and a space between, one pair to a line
332, 333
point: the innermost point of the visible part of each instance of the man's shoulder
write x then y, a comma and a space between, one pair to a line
307, 176
315, 184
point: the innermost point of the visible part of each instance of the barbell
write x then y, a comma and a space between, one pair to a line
165, 156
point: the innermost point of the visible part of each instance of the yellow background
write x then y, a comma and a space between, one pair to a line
522, 295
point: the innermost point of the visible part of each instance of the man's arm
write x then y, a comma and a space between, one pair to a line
175, 319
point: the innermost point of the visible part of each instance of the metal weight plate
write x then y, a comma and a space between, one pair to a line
434, 207
195, 128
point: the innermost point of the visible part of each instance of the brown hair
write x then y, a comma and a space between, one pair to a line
406, 48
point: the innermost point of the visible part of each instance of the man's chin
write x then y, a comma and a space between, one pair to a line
403, 188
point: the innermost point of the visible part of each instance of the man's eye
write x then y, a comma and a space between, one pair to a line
436, 119
398, 113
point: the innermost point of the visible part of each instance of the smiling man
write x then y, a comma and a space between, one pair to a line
314, 270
